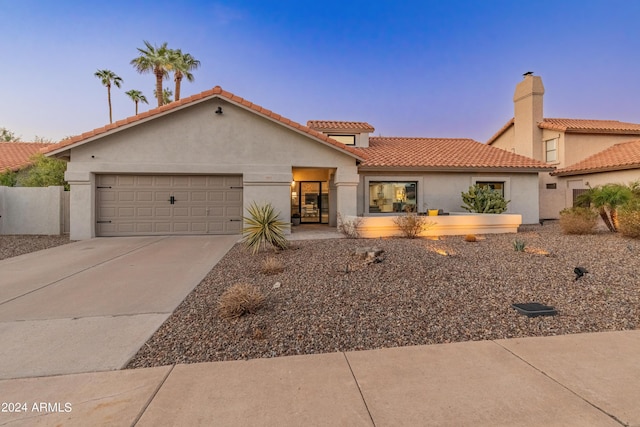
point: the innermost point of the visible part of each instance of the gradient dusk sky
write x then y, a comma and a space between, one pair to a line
444, 68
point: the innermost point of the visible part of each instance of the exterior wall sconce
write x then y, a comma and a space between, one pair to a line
219, 110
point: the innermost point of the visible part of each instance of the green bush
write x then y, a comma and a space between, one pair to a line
263, 227
578, 220
483, 200
8, 178
629, 219
44, 172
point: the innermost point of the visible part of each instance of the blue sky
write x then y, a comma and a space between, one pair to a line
410, 68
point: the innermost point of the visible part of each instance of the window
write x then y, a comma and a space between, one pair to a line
345, 139
392, 196
551, 150
552, 186
495, 186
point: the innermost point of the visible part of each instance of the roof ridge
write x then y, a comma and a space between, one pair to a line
215, 91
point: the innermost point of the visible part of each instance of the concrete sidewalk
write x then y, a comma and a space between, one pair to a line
572, 380
90, 305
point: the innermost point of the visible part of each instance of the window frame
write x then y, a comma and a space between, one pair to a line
352, 136
547, 151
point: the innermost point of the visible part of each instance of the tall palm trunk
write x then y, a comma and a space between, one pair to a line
109, 99
178, 80
136, 107
159, 77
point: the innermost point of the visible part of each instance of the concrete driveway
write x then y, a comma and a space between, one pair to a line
90, 305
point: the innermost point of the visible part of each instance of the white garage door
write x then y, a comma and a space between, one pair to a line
130, 205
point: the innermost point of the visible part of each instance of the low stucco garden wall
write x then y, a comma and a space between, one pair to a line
456, 223
34, 210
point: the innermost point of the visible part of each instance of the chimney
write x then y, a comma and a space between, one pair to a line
527, 101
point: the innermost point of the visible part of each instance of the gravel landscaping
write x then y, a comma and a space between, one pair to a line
15, 245
421, 292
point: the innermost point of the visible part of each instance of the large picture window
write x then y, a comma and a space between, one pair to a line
392, 196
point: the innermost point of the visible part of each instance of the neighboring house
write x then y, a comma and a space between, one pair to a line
194, 166
17, 155
566, 144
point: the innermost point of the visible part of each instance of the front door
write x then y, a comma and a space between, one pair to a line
313, 202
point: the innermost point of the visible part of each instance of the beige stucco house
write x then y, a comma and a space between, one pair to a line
195, 166
567, 144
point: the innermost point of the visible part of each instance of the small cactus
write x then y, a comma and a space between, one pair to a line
470, 238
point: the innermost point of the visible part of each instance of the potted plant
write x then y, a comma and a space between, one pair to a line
295, 219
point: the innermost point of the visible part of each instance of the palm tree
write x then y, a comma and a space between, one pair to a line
183, 64
136, 96
166, 95
607, 199
108, 77
156, 60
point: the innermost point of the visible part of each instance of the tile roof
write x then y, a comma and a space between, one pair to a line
625, 155
442, 153
203, 96
16, 155
590, 126
578, 126
329, 125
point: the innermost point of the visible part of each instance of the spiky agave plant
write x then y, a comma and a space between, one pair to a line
263, 227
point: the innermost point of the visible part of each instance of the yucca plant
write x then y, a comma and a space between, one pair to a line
519, 245
263, 226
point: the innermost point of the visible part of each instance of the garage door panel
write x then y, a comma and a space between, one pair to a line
126, 212
144, 196
125, 181
139, 204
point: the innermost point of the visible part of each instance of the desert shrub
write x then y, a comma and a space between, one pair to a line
484, 200
578, 220
349, 227
519, 245
8, 178
412, 224
470, 238
272, 265
240, 299
629, 218
263, 227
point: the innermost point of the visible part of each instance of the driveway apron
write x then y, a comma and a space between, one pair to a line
90, 305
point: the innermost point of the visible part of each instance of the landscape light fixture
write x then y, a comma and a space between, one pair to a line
219, 110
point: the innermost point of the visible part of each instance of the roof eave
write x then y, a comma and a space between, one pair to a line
515, 169
596, 170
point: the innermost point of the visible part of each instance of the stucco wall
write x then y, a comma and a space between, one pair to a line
32, 210
506, 140
442, 190
579, 146
195, 140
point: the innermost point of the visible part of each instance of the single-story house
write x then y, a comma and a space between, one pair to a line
581, 150
194, 166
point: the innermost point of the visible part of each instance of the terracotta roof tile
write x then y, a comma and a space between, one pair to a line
442, 153
590, 126
625, 155
16, 155
216, 91
336, 126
